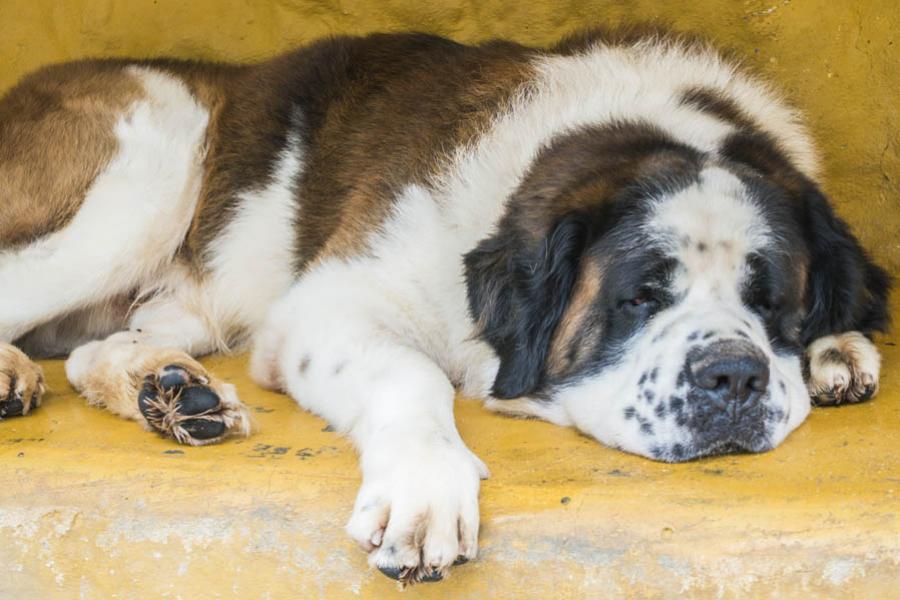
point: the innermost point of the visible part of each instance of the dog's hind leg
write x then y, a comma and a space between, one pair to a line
148, 374
132, 220
99, 177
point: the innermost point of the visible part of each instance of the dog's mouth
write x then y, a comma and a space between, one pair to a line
684, 453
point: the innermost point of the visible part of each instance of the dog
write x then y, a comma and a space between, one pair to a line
623, 233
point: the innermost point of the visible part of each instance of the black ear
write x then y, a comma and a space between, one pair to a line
519, 286
846, 291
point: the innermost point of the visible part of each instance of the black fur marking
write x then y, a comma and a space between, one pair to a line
660, 410
774, 415
695, 335
844, 290
519, 321
584, 195
847, 291
630, 412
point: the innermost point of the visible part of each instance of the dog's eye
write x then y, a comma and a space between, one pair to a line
640, 304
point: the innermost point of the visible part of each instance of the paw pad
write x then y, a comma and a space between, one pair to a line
11, 407
183, 406
21, 383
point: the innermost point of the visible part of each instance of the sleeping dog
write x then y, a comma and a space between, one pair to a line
623, 233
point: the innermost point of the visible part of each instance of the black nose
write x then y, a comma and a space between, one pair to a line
729, 370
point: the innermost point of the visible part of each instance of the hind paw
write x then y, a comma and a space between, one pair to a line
184, 404
21, 383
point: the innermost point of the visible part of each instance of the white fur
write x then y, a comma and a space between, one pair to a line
252, 262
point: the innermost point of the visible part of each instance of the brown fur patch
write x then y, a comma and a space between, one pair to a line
390, 112
56, 136
749, 145
580, 171
569, 345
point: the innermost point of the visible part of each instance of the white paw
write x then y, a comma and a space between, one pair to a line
842, 369
417, 510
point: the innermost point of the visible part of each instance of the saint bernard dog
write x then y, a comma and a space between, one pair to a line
623, 233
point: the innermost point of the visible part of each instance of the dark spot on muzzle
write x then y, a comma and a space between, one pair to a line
724, 408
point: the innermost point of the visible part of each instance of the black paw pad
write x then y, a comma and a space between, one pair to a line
867, 393
12, 408
147, 400
196, 399
408, 575
173, 376
396, 573
177, 405
203, 429
431, 576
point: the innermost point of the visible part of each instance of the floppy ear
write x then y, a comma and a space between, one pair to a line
846, 291
519, 286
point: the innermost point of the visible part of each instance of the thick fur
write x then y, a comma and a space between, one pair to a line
623, 233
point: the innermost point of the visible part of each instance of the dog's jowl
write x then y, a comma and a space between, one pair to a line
623, 233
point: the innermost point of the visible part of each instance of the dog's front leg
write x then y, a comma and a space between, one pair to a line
417, 510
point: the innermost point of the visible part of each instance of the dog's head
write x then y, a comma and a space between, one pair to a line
660, 299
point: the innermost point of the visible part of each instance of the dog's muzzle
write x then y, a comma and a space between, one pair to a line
729, 380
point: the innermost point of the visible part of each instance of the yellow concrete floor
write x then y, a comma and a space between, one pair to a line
93, 505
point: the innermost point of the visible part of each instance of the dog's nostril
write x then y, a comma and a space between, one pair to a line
757, 384
730, 369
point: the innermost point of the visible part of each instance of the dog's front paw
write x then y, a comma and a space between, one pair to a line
843, 369
417, 511
21, 383
183, 403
